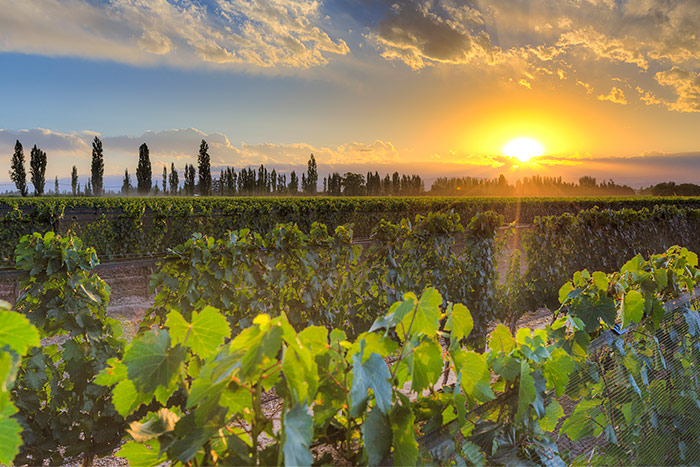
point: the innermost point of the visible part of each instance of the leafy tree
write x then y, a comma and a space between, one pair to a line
37, 168
204, 169
17, 172
190, 175
98, 167
55, 190
143, 171
353, 184
74, 180
165, 180
174, 182
126, 183
88, 188
293, 183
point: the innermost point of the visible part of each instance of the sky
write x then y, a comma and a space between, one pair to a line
609, 88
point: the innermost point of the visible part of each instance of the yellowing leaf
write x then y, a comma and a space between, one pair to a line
501, 340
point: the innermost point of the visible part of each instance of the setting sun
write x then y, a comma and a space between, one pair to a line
523, 149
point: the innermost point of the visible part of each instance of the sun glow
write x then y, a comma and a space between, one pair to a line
523, 149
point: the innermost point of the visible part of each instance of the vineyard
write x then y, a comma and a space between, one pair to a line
381, 329
125, 227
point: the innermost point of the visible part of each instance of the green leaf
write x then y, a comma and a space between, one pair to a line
564, 291
632, 308
404, 440
315, 337
501, 340
301, 373
472, 454
579, 424
397, 312
126, 398
204, 335
506, 366
426, 317
142, 455
460, 322
661, 278
374, 373
298, 433
427, 365
557, 370
551, 417
526, 390
591, 310
600, 279
633, 264
10, 439
376, 435
474, 375
17, 333
151, 362
113, 373
258, 344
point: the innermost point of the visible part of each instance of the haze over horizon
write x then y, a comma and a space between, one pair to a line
610, 88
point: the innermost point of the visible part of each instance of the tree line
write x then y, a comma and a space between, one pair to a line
528, 186
198, 180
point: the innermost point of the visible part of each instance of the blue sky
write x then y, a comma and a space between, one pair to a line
436, 87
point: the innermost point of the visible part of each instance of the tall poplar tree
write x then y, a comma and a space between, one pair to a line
204, 166
126, 183
37, 168
293, 186
174, 181
144, 172
74, 180
98, 167
17, 173
311, 185
165, 180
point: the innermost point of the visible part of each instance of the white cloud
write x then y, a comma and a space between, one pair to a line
237, 33
181, 146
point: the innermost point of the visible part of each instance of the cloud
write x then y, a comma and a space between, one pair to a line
577, 40
181, 146
238, 34
626, 50
421, 34
647, 97
62, 143
616, 96
686, 85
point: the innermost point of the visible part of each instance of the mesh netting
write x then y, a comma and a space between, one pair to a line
636, 400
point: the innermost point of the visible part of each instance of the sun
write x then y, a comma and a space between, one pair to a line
523, 149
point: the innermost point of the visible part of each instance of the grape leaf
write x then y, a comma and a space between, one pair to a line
376, 434
143, 455
204, 335
404, 440
632, 308
427, 365
460, 322
298, 432
17, 333
501, 340
151, 362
